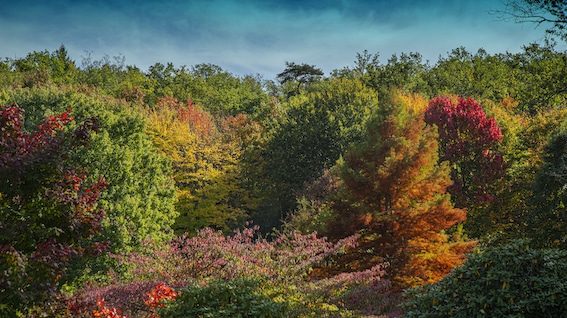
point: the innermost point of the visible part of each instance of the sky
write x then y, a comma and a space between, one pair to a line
257, 36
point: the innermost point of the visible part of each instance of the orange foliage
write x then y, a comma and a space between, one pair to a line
104, 312
199, 120
158, 297
509, 103
394, 193
241, 129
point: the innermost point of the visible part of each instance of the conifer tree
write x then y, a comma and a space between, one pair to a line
394, 193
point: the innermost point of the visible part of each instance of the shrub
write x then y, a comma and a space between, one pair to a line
238, 298
506, 281
210, 255
280, 266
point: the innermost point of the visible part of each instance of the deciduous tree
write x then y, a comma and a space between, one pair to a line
50, 217
469, 141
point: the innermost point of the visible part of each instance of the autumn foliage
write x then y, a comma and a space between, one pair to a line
20, 149
130, 193
394, 193
102, 311
50, 217
207, 157
469, 140
157, 297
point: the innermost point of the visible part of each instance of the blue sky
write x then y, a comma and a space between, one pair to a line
256, 36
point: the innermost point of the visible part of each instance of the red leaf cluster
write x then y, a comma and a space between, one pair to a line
72, 192
199, 120
160, 294
21, 148
469, 140
103, 311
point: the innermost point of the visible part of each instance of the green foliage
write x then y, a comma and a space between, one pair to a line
314, 208
210, 86
503, 217
310, 216
478, 75
406, 71
225, 299
507, 281
514, 211
542, 78
548, 220
40, 68
534, 77
247, 298
140, 198
319, 126
218, 91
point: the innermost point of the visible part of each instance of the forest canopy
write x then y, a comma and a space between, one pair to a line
385, 187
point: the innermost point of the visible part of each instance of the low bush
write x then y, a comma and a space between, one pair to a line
245, 274
513, 280
220, 299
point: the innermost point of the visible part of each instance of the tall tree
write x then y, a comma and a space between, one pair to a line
319, 126
394, 193
207, 163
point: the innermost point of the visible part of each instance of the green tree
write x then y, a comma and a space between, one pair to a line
319, 126
299, 75
406, 71
548, 220
40, 68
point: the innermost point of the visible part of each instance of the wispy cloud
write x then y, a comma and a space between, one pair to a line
256, 36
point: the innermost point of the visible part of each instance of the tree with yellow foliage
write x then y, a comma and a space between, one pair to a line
206, 161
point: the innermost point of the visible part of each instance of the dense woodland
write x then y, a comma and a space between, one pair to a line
394, 187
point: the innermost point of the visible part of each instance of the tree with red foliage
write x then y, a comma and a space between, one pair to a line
49, 212
393, 193
469, 140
